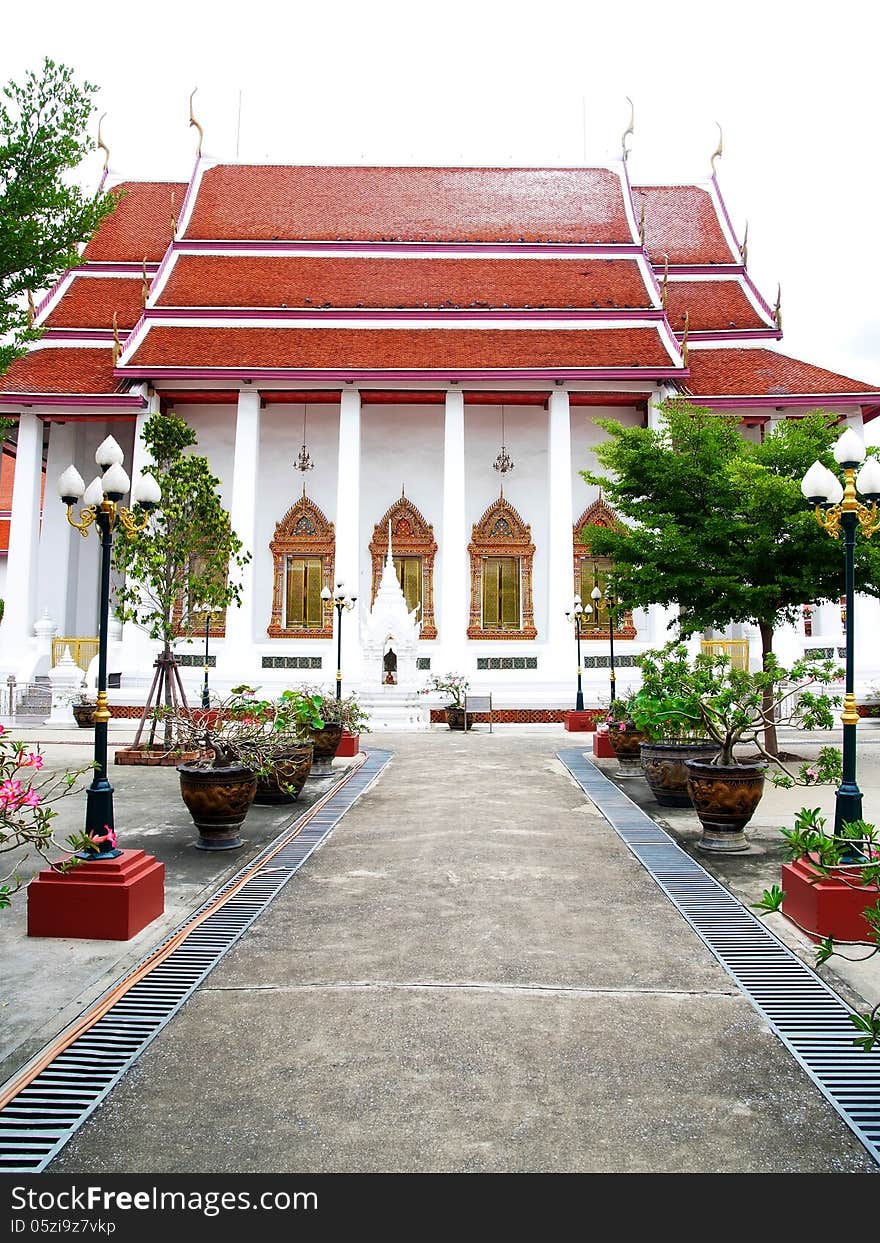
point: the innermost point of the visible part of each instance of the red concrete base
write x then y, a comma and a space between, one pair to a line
579, 722
349, 745
826, 907
602, 748
109, 900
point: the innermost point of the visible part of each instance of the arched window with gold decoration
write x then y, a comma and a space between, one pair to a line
590, 572
413, 549
302, 552
501, 553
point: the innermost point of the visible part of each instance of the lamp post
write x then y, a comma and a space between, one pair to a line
341, 600
611, 603
576, 612
837, 507
206, 697
101, 507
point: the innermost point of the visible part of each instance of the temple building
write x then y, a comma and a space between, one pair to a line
420, 350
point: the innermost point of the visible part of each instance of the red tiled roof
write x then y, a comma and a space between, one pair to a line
376, 348
62, 370
91, 300
713, 305
267, 202
759, 373
140, 225
212, 280
681, 222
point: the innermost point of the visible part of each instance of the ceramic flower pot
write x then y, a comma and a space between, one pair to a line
83, 714
284, 783
625, 741
455, 718
218, 800
663, 764
724, 798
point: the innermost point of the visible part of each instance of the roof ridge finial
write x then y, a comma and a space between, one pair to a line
663, 290
744, 249
777, 310
117, 344
642, 223
719, 150
684, 339
630, 129
32, 310
101, 145
173, 218
145, 284
193, 121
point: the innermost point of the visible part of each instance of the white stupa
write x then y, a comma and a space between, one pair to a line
389, 647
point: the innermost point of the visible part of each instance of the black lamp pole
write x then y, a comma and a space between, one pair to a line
577, 611
612, 605
341, 601
101, 507
838, 508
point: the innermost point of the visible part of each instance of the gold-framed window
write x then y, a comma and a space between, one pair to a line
501, 593
304, 608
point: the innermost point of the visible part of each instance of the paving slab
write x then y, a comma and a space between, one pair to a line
471, 974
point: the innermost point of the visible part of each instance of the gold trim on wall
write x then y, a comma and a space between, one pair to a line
303, 532
501, 532
599, 514
411, 536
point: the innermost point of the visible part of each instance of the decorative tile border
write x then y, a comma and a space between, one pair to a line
825, 653
195, 662
507, 662
520, 716
292, 662
423, 663
603, 662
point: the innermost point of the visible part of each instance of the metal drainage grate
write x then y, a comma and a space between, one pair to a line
40, 1119
808, 1016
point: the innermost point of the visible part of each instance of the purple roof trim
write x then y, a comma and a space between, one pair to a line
437, 313
787, 399
378, 374
73, 399
735, 334
582, 249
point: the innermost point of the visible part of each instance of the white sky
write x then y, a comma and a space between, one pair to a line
504, 82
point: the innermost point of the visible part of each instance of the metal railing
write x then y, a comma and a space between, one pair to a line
736, 650
82, 650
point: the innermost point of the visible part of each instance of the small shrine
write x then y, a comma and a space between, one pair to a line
390, 636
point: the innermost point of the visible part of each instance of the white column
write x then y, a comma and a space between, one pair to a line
237, 656
56, 533
453, 594
561, 649
138, 649
347, 529
24, 533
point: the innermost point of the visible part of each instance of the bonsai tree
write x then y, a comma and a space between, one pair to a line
182, 564
346, 712
698, 494
452, 684
731, 706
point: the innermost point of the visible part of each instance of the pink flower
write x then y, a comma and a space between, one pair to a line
108, 836
10, 793
2, 731
812, 773
31, 799
622, 727
33, 760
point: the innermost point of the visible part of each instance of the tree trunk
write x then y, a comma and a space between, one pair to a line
770, 742
169, 735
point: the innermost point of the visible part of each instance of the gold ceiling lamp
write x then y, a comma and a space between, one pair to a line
719, 150
629, 131
304, 461
504, 464
193, 121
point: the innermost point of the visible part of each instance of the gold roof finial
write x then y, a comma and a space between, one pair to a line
719, 150
193, 121
630, 129
642, 224
777, 310
173, 218
684, 339
744, 249
102, 146
31, 311
145, 283
117, 344
665, 282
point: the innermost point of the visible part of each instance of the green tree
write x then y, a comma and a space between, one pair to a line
182, 562
719, 524
42, 218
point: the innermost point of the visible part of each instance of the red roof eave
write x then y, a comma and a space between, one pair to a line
351, 375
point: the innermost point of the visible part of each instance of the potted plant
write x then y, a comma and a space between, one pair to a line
665, 710
219, 786
83, 707
282, 751
733, 707
454, 686
624, 735
340, 716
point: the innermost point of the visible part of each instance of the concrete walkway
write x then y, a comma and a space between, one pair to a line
473, 974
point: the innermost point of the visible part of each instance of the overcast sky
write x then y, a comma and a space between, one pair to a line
544, 83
